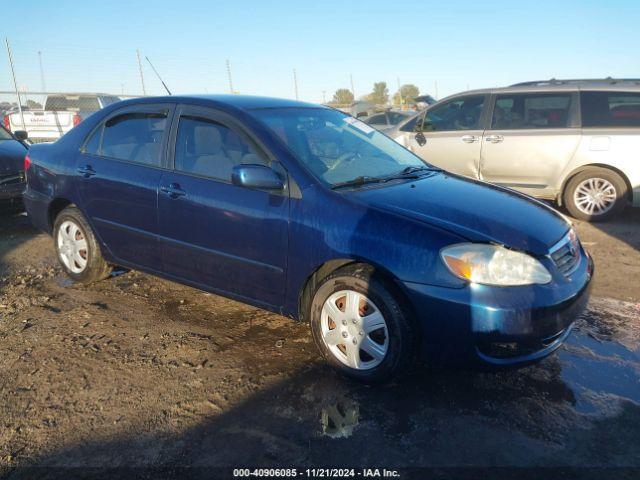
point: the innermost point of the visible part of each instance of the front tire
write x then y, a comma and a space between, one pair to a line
77, 248
596, 195
360, 327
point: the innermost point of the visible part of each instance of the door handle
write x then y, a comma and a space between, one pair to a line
86, 171
469, 138
173, 190
494, 138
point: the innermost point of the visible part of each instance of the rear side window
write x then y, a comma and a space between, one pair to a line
610, 109
210, 149
72, 103
134, 137
380, 119
529, 111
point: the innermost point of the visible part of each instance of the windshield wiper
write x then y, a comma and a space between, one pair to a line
412, 169
356, 182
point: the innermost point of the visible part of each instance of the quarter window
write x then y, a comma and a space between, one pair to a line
208, 148
610, 109
459, 114
135, 137
528, 111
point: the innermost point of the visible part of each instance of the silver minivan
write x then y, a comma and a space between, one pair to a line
575, 142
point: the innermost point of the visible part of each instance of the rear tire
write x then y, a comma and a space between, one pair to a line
596, 195
360, 327
77, 248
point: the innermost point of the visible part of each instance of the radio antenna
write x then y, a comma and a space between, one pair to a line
158, 75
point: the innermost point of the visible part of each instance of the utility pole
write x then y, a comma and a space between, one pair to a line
295, 82
399, 90
353, 91
15, 83
144, 90
435, 91
324, 96
44, 87
229, 76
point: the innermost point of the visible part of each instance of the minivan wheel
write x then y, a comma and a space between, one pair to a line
359, 326
596, 195
77, 248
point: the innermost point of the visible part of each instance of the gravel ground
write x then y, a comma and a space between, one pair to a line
136, 371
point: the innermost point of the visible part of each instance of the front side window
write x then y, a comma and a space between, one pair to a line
335, 147
134, 137
610, 109
210, 149
527, 111
459, 114
380, 119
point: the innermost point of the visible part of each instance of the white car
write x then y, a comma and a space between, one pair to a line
575, 142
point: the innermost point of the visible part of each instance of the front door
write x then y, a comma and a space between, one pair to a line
117, 178
449, 135
531, 139
213, 233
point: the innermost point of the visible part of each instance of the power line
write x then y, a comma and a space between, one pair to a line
144, 90
295, 83
229, 76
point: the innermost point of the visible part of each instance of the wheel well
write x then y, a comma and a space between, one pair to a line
582, 168
55, 207
323, 271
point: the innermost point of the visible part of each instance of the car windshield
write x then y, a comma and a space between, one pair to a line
336, 147
4, 135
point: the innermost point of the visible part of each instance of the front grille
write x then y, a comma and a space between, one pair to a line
11, 179
566, 253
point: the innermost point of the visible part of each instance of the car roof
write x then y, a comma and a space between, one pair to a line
243, 102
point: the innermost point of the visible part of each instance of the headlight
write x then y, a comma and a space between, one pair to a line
493, 265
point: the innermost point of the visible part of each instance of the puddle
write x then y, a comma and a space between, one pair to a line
63, 281
339, 419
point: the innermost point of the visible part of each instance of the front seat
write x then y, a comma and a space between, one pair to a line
210, 159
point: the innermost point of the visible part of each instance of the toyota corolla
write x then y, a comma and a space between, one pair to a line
305, 211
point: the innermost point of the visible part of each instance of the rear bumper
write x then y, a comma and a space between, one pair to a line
11, 191
37, 206
498, 326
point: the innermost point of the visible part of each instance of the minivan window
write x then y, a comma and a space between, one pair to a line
208, 148
610, 109
335, 147
135, 137
525, 111
458, 114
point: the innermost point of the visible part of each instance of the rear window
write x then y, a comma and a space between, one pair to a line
72, 103
610, 109
529, 111
134, 137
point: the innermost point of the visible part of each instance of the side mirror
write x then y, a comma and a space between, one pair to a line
21, 135
421, 139
256, 176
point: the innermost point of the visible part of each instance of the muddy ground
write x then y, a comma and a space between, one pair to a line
140, 372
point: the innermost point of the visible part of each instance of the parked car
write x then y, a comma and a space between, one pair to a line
574, 142
311, 213
385, 121
61, 113
12, 154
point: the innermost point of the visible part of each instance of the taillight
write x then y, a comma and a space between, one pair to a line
76, 120
27, 163
7, 125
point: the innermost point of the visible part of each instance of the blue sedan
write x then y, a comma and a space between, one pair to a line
305, 211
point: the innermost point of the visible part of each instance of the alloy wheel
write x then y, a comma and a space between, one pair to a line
595, 196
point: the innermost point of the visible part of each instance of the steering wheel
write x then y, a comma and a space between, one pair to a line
343, 159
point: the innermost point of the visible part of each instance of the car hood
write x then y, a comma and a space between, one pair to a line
474, 210
12, 155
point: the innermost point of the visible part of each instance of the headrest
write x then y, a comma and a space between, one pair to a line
207, 140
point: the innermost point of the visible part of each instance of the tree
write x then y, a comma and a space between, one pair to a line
380, 94
343, 96
407, 94
33, 105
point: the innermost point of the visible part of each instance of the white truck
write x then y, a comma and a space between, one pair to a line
60, 114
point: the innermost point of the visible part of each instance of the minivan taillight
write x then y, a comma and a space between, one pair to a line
7, 125
27, 163
76, 120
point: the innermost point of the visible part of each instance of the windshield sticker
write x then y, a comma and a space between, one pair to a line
363, 127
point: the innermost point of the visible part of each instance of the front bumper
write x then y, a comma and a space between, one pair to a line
499, 326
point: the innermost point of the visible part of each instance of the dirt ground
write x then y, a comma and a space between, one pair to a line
137, 372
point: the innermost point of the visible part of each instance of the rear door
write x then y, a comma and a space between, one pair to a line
213, 233
450, 135
531, 138
118, 173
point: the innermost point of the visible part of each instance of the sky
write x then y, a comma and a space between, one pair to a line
442, 47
